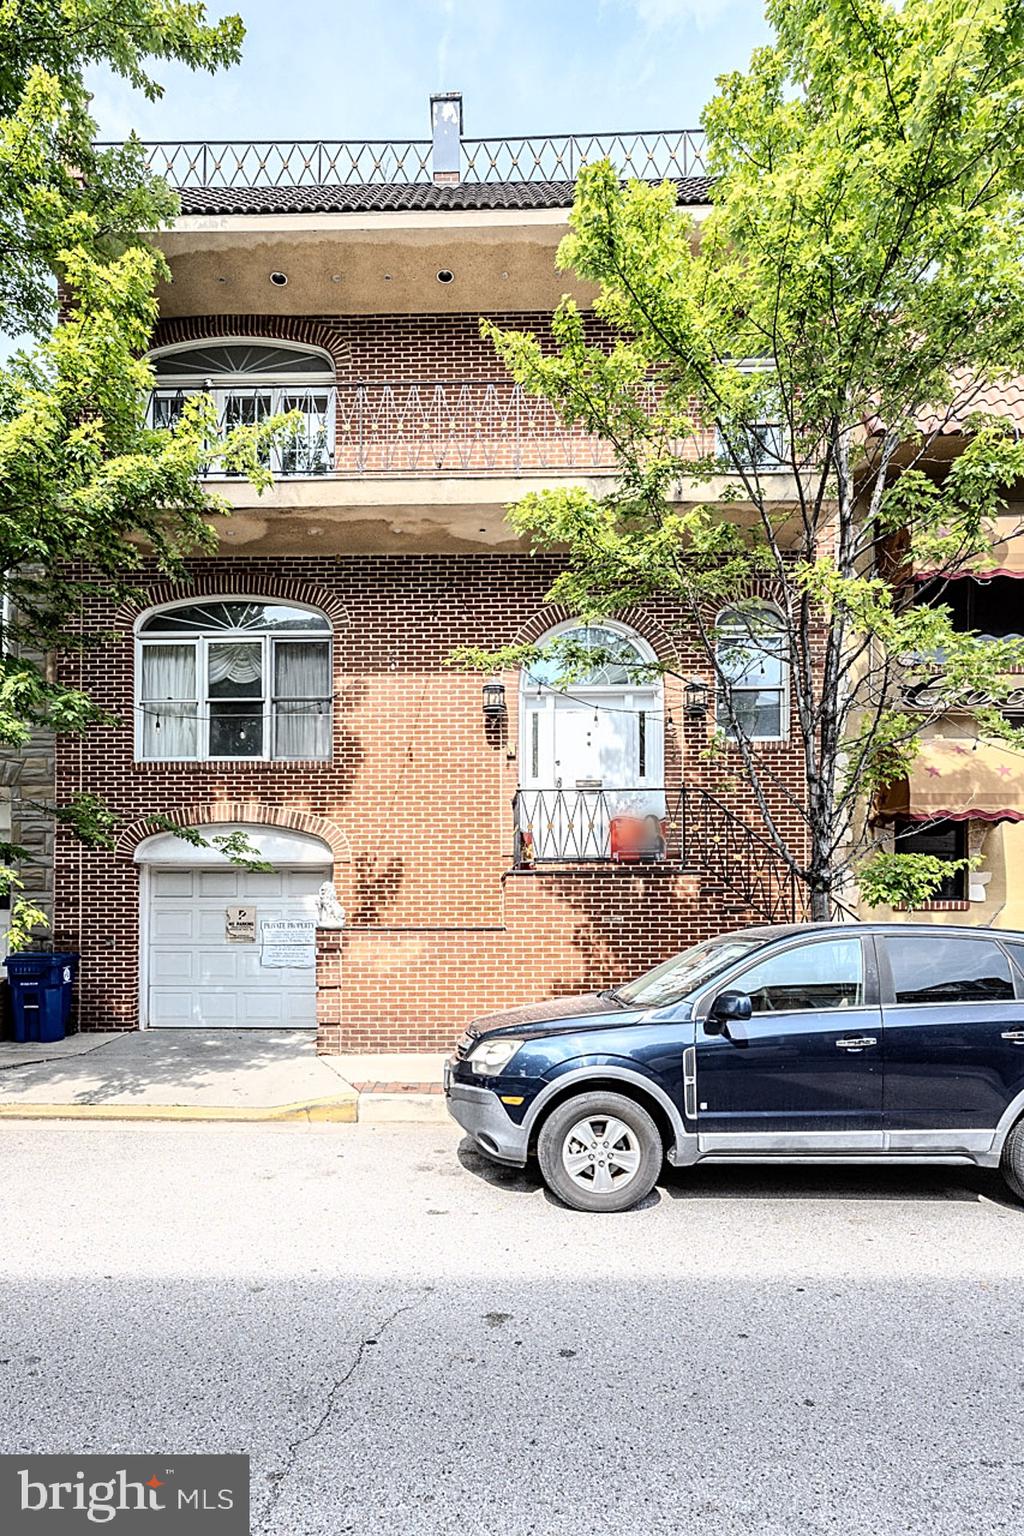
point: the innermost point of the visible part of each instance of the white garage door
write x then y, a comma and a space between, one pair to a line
196, 977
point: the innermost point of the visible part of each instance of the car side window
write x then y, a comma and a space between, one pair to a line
1017, 956
947, 970
825, 975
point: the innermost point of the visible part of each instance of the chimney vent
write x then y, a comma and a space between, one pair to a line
446, 130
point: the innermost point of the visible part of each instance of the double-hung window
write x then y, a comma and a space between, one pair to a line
753, 690
233, 679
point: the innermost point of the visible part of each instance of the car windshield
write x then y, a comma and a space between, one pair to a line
676, 978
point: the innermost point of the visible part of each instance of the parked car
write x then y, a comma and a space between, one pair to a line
894, 1043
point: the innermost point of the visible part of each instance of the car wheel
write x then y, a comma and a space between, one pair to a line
600, 1152
1011, 1164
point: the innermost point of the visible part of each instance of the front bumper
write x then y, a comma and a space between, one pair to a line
480, 1114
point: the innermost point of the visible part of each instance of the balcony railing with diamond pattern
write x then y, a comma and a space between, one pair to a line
676, 153
687, 827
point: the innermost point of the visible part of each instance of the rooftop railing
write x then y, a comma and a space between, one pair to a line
676, 153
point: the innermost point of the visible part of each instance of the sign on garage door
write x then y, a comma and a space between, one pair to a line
199, 976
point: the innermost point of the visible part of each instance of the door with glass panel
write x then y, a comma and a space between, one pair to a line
591, 749
250, 381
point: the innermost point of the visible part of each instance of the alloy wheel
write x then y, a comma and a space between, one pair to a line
601, 1154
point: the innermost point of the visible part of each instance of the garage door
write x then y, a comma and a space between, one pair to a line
198, 977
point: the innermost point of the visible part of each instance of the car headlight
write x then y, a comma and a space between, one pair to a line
490, 1057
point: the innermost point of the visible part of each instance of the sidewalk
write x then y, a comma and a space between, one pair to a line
202, 1074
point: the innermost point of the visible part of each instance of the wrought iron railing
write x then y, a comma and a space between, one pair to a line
687, 826
305, 448
458, 427
727, 852
387, 162
289, 162
558, 157
461, 427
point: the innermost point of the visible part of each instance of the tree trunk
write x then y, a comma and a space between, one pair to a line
820, 905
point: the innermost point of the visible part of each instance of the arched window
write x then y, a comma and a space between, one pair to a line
751, 651
251, 380
233, 678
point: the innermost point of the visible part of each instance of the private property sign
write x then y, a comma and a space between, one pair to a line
288, 942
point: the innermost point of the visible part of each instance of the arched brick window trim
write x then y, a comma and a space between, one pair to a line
247, 811
315, 333
771, 593
207, 584
638, 619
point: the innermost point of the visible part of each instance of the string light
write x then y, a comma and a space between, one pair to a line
164, 710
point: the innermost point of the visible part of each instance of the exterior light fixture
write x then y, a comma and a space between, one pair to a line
695, 704
446, 275
279, 279
494, 699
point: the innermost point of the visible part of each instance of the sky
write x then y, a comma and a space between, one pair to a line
366, 70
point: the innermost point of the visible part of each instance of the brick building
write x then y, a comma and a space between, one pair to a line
297, 687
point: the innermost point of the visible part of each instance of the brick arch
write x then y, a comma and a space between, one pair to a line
208, 584
246, 811
315, 333
767, 591
638, 619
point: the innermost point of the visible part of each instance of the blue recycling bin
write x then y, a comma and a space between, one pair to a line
40, 988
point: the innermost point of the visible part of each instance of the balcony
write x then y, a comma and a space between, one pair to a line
474, 427
686, 827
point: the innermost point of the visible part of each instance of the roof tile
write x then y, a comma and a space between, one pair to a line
410, 197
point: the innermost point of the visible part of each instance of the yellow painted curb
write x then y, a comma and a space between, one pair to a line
343, 1110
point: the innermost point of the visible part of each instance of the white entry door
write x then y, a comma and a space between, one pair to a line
586, 760
198, 977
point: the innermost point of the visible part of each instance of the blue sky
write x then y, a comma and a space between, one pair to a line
366, 70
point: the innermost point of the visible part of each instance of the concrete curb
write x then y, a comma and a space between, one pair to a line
342, 1109
402, 1109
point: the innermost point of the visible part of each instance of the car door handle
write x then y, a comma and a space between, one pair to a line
856, 1043
1016, 1035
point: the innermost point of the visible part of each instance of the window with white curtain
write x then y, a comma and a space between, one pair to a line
234, 678
752, 658
250, 381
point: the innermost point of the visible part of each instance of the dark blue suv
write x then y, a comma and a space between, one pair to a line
855, 1043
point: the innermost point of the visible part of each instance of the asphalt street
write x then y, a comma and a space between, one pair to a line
407, 1341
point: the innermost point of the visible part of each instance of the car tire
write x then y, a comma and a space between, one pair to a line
579, 1165
1011, 1164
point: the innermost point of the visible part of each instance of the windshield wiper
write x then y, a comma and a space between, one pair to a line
610, 992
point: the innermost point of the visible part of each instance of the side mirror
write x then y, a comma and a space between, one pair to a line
727, 1008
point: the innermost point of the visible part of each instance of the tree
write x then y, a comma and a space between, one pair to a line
84, 481
858, 282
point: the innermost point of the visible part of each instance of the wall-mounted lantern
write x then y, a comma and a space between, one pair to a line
695, 705
494, 699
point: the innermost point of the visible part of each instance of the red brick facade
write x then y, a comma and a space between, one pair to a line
415, 391
415, 806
